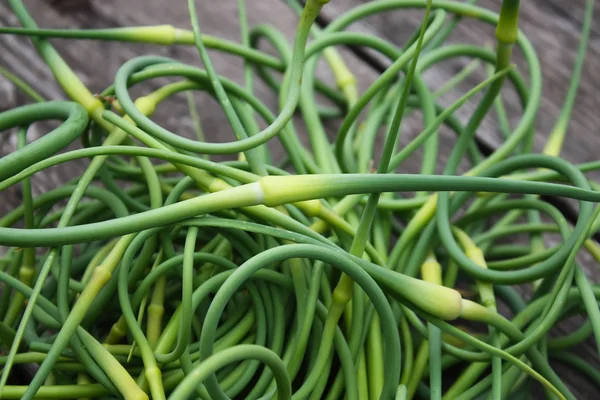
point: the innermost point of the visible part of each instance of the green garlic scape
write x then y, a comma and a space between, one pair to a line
316, 276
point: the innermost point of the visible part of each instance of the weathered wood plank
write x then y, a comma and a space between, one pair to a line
555, 47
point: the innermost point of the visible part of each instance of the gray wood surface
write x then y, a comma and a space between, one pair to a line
551, 25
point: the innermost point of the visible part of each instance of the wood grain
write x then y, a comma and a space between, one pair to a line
551, 25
